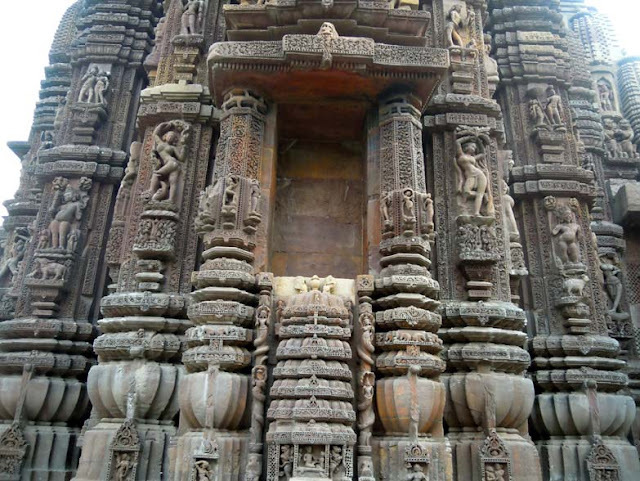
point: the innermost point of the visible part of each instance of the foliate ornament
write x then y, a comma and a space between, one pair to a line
123, 453
169, 152
13, 449
602, 464
205, 462
495, 459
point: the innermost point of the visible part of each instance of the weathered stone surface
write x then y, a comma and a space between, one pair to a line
332, 254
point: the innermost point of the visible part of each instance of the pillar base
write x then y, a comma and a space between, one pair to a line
225, 455
396, 457
471, 459
50, 451
569, 459
153, 458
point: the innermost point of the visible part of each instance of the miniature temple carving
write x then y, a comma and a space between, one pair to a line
325, 241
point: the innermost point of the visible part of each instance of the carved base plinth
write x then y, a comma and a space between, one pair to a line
571, 459
475, 454
398, 457
51, 452
153, 456
225, 452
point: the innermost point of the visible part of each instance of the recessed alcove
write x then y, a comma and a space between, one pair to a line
320, 190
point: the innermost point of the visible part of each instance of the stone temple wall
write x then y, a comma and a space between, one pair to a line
325, 240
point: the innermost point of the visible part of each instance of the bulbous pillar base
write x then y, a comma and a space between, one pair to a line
153, 458
397, 457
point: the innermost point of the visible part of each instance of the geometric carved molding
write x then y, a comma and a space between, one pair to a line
123, 453
495, 461
13, 448
602, 464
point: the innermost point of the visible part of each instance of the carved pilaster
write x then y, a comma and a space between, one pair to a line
477, 261
549, 101
408, 393
216, 403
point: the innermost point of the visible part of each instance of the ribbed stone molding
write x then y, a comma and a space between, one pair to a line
574, 359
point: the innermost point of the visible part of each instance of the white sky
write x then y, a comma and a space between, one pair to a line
25, 38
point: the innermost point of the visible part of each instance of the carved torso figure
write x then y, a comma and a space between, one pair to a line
536, 113
472, 180
509, 203
123, 467
101, 87
170, 152
612, 281
624, 136
555, 110
566, 233
606, 95
67, 211
611, 144
87, 91
191, 17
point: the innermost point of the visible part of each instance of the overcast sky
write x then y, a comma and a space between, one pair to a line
26, 32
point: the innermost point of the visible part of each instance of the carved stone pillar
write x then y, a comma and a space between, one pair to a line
408, 393
46, 351
579, 416
478, 261
311, 409
152, 251
215, 398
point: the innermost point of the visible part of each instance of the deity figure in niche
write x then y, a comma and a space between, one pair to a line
101, 87
455, 24
624, 137
335, 459
87, 91
192, 15
286, 461
416, 473
170, 153
555, 110
67, 209
204, 471
124, 464
605, 93
512, 225
610, 141
566, 234
536, 113
609, 264
16, 255
472, 176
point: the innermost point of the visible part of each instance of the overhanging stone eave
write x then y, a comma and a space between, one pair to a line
302, 65
295, 14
